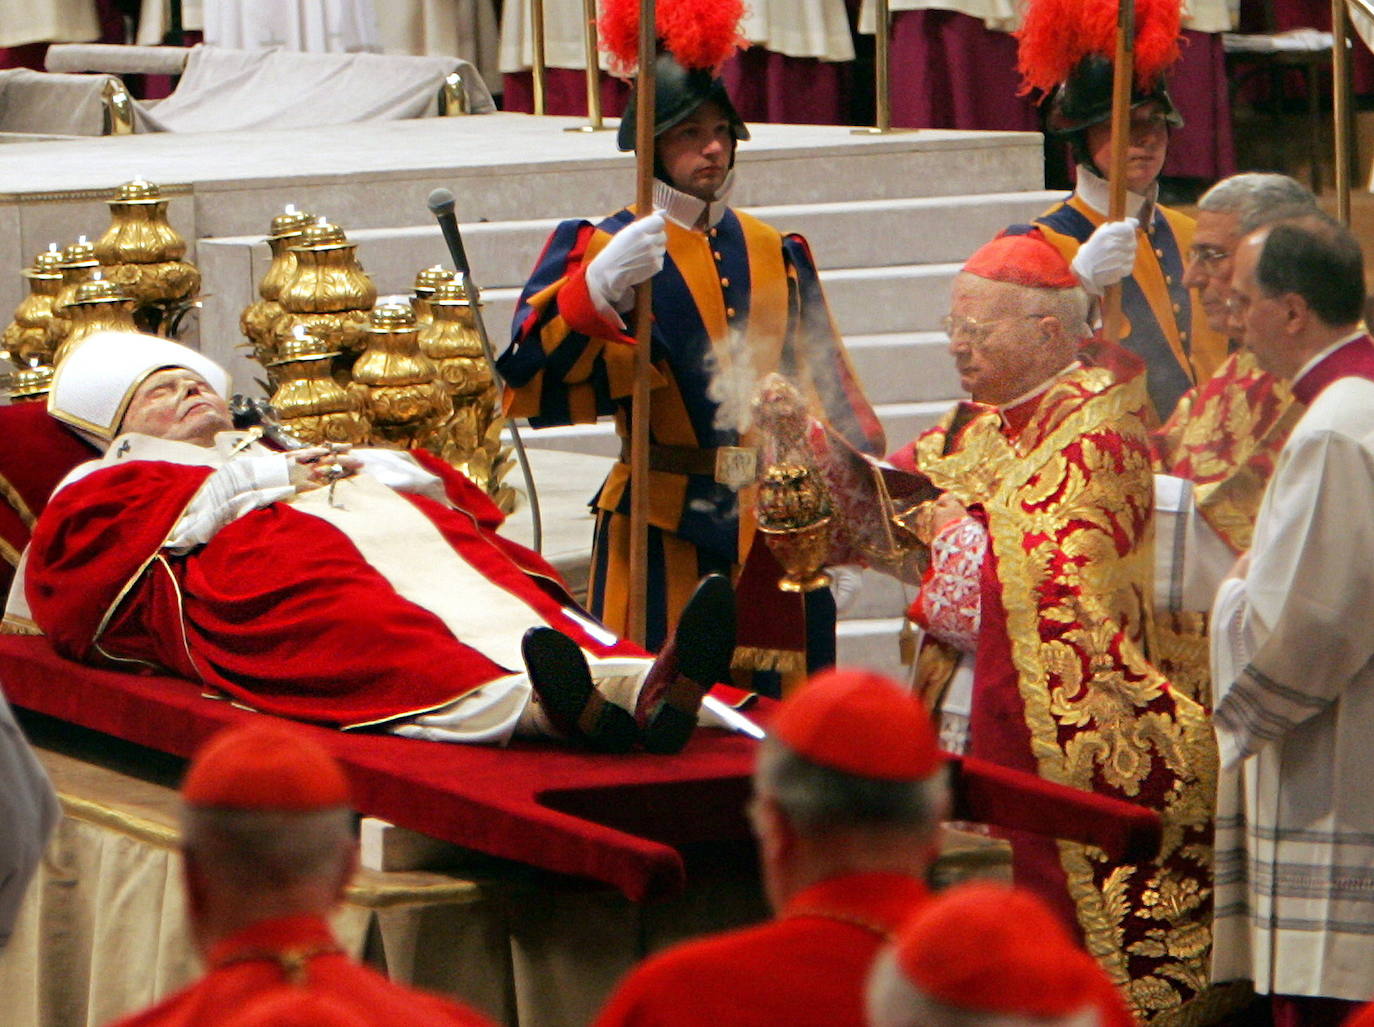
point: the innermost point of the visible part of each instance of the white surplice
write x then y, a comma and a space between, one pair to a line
1293, 662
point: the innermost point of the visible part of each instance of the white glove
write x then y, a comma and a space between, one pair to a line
634, 254
845, 581
1107, 256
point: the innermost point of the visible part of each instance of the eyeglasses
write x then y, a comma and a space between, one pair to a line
1210, 257
975, 331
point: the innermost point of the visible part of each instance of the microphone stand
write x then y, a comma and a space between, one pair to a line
441, 204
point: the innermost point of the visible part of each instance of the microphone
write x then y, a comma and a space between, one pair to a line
441, 206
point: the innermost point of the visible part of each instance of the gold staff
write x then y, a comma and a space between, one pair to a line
1340, 106
593, 71
537, 67
882, 88
643, 321
1122, 70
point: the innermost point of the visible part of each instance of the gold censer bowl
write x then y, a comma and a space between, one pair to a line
794, 517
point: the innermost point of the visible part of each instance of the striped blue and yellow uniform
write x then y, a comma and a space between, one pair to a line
738, 299
1160, 321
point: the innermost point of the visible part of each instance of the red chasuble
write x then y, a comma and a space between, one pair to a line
279, 610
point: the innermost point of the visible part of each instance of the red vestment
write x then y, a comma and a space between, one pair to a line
279, 610
1061, 683
297, 951
807, 966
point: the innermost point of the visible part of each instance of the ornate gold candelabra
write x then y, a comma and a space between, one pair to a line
25, 338
143, 254
405, 400
99, 305
793, 505
259, 318
78, 265
425, 283
471, 439
308, 401
329, 294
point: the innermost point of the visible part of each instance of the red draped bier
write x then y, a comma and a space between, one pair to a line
279, 611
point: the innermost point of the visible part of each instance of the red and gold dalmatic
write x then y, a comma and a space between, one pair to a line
1224, 437
1062, 685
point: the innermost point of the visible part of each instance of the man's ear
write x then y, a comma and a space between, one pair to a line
1296, 313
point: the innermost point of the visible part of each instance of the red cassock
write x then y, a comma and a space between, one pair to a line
279, 610
810, 965
296, 951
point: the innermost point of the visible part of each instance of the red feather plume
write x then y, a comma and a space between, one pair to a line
1056, 34
699, 33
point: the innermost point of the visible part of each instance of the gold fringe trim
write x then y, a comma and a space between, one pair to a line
787, 661
15, 626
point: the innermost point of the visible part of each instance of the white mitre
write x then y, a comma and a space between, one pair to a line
95, 382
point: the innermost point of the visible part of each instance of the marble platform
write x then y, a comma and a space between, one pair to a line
889, 219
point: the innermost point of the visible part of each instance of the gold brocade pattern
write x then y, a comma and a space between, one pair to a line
1069, 505
1224, 437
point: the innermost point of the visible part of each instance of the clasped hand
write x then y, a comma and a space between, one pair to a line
316, 466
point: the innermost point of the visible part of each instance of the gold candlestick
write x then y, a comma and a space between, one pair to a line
30, 384
144, 254
471, 439
78, 265
259, 317
99, 305
329, 294
426, 282
404, 398
25, 338
309, 402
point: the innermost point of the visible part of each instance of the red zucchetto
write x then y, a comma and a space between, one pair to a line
991, 948
1026, 258
264, 766
862, 723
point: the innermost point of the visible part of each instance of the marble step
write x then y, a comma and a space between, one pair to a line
858, 234
842, 235
940, 229
904, 367
872, 644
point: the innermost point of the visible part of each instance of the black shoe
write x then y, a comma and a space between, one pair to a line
558, 671
695, 658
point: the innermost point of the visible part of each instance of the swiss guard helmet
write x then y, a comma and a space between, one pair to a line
1085, 98
678, 91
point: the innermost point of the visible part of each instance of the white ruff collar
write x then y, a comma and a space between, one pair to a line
686, 210
1093, 188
